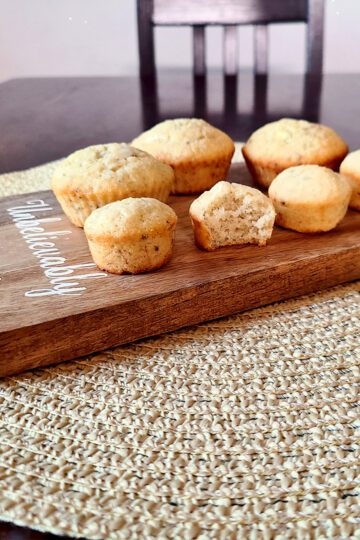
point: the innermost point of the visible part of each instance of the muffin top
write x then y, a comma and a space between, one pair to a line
185, 139
130, 219
210, 200
289, 142
311, 185
351, 164
104, 167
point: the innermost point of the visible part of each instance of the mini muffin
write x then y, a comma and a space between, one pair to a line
199, 153
309, 198
231, 214
100, 174
350, 168
287, 143
132, 235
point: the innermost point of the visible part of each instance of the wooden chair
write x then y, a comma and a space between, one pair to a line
229, 13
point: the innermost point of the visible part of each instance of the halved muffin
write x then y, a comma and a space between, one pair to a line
231, 214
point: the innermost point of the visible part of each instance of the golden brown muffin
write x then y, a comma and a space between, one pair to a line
199, 153
100, 174
132, 235
287, 143
350, 168
309, 198
231, 214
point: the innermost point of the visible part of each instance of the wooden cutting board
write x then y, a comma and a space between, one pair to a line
56, 309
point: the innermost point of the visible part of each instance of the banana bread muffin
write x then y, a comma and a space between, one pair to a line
350, 168
100, 174
199, 153
231, 214
131, 236
309, 198
287, 143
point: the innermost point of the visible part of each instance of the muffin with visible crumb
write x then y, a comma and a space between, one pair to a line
350, 168
287, 143
310, 198
199, 153
231, 214
131, 236
104, 173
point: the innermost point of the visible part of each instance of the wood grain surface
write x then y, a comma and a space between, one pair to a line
68, 308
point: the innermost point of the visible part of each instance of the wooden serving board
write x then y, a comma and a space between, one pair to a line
56, 309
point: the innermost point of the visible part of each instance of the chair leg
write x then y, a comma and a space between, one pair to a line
149, 101
200, 96
261, 40
199, 50
315, 36
312, 97
230, 99
230, 50
260, 95
146, 37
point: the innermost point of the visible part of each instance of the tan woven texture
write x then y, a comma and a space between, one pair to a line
244, 428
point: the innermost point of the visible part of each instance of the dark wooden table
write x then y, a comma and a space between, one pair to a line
45, 119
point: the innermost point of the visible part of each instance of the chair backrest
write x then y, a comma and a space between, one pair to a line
229, 13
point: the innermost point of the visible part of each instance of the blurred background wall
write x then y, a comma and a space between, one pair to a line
98, 37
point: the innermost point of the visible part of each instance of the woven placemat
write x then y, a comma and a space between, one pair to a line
243, 428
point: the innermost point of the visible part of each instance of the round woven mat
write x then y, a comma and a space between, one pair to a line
243, 428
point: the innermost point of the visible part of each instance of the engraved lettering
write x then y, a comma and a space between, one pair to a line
62, 277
